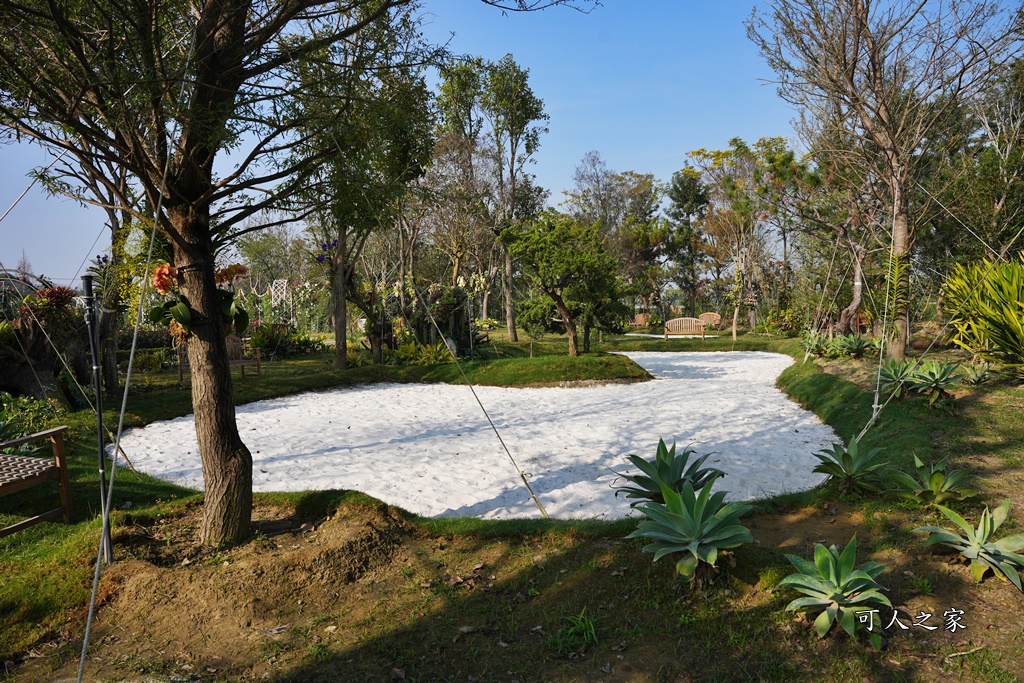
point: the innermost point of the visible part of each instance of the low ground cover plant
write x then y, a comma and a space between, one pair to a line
856, 470
1002, 557
933, 485
834, 588
935, 379
669, 468
698, 524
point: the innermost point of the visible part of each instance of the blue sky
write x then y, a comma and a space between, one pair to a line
641, 81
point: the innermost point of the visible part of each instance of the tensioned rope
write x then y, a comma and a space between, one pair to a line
522, 476
458, 365
131, 355
1001, 257
63, 360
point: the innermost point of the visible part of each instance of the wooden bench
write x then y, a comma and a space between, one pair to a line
712, 320
684, 326
236, 357
20, 472
641, 320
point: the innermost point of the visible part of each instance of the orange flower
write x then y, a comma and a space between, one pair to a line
164, 278
227, 275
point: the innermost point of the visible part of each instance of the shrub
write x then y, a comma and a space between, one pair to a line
148, 339
988, 310
856, 470
667, 468
933, 486
832, 585
435, 354
1001, 556
696, 524
934, 379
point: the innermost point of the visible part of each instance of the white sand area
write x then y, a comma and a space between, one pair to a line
428, 448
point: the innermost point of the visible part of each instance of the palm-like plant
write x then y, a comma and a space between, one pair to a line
832, 585
856, 470
933, 485
894, 376
935, 379
696, 524
670, 468
1002, 557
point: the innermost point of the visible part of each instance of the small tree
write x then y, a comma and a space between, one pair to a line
558, 253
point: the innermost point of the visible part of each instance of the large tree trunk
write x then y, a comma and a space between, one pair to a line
510, 313
227, 463
848, 318
570, 324
900, 250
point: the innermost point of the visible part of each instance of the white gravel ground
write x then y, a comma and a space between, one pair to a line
427, 447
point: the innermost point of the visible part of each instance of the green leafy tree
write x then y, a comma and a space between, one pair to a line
886, 75
559, 254
517, 117
688, 201
170, 87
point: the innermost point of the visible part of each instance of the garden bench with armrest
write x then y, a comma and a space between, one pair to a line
684, 326
236, 357
712, 320
20, 472
641, 320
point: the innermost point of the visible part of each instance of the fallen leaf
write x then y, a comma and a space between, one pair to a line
331, 629
467, 629
478, 567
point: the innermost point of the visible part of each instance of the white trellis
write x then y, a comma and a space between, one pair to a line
281, 302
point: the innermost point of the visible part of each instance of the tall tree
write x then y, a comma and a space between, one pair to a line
887, 73
559, 254
169, 87
688, 202
516, 116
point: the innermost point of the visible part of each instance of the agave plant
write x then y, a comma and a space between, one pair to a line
1001, 556
696, 524
853, 345
815, 344
976, 375
935, 379
933, 485
832, 585
856, 470
894, 376
668, 468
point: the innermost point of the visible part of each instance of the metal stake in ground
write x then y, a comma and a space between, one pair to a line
94, 345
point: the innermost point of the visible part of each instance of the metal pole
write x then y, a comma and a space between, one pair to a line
90, 321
